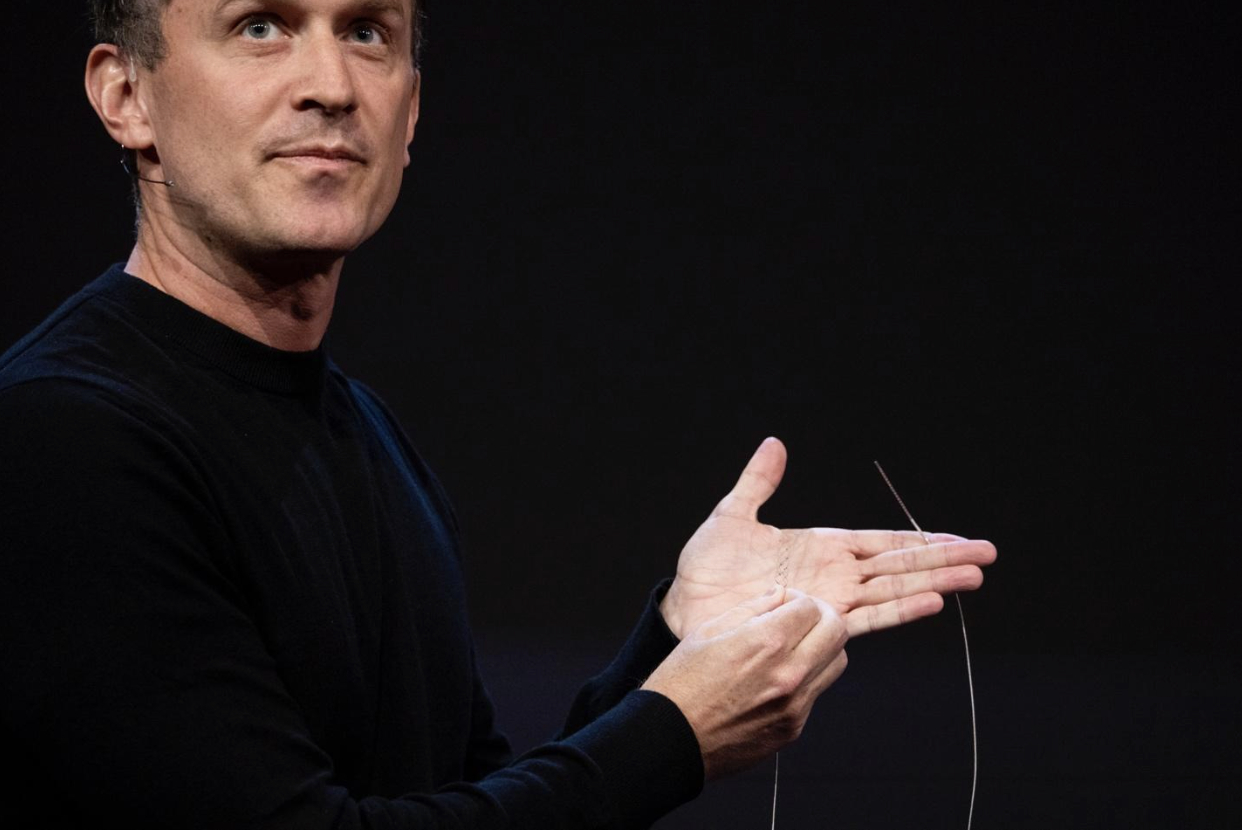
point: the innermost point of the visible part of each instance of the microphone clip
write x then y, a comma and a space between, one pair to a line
133, 172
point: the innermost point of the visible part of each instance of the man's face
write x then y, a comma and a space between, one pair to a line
284, 123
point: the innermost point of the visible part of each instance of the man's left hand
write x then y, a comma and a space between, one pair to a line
873, 578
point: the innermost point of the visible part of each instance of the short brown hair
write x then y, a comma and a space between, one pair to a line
135, 27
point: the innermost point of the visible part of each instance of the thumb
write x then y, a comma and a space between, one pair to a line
757, 483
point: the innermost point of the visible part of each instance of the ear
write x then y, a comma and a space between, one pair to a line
414, 100
112, 87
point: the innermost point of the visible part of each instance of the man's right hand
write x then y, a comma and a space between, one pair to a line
746, 680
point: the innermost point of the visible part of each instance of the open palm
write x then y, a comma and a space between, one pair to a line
874, 578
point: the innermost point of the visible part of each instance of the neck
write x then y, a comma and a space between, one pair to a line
284, 304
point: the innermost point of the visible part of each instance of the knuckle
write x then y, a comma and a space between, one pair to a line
807, 605
785, 682
909, 560
806, 602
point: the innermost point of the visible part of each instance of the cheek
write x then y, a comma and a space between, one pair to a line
389, 187
200, 132
393, 160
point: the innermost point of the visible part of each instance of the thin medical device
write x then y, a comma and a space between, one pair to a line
781, 576
970, 680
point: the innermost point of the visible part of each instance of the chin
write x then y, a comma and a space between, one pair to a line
329, 238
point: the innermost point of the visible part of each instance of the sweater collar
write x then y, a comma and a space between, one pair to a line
248, 360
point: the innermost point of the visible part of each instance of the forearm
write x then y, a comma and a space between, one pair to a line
624, 770
648, 645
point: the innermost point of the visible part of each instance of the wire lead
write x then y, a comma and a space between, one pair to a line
970, 680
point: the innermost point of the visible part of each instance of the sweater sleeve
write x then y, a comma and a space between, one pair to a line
137, 687
647, 646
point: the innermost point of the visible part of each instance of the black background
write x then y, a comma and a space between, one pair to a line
993, 247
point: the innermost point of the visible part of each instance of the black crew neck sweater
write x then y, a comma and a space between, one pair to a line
231, 596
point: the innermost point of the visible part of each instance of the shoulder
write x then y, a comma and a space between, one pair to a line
91, 366
376, 416
48, 332
78, 391
85, 398
364, 396
384, 426
48, 399
57, 431
89, 341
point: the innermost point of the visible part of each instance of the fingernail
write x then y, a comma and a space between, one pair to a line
770, 591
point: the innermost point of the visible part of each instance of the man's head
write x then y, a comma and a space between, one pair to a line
284, 123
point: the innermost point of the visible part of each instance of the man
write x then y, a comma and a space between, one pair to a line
230, 589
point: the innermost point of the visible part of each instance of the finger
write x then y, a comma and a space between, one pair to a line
823, 642
758, 482
941, 581
868, 618
743, 612
865, 543
929, 557
792, 622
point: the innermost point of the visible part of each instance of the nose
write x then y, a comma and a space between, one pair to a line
327, 79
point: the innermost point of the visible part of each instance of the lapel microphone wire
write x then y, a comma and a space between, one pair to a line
132, 170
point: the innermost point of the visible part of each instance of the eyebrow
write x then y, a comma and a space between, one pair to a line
372, 6
397, 6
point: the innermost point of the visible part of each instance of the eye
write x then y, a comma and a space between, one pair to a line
259, 28
367, 33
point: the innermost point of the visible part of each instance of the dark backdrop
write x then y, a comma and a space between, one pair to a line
991, 247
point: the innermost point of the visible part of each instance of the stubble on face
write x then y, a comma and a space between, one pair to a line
284, 124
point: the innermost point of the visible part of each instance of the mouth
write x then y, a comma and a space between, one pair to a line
321, 155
